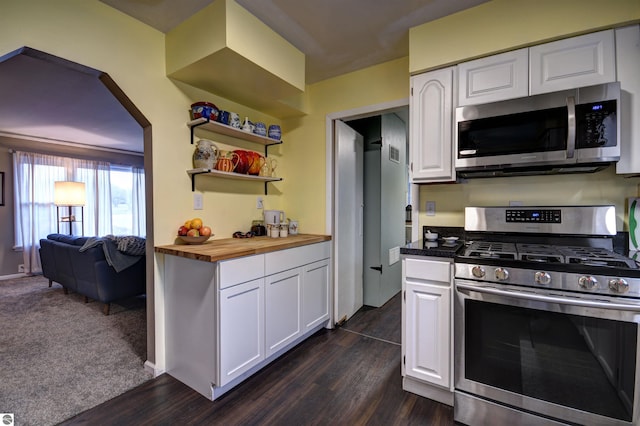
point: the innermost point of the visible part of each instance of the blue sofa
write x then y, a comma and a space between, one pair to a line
87, 272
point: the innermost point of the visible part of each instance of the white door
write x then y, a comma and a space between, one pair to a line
393, 200
385, 189
348, 212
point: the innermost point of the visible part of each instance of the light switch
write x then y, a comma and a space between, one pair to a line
431, 208
197, 201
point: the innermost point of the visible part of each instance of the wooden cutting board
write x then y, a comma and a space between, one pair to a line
230, 248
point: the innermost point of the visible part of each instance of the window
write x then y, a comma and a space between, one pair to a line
114, 199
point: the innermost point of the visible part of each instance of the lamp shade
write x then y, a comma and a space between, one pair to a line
69, 193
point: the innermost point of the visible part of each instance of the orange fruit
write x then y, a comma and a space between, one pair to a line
196, 223
187, 224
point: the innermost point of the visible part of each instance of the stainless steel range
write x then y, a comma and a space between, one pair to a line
546, 319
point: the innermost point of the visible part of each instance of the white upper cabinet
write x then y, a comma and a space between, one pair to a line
431, 110
628, 66
494, 78
574, 62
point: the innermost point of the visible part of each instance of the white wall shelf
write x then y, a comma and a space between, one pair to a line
223, 129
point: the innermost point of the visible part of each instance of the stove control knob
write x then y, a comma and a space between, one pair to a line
542, 278
478, 271
502, 274
588, 282
619, 285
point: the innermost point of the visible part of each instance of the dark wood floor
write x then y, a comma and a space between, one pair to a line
339, 376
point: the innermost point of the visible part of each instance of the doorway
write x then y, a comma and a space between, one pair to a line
367, 230
26, 66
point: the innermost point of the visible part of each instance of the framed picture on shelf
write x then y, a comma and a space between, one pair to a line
1, 188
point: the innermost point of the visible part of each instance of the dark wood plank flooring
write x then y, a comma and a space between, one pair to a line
339, 376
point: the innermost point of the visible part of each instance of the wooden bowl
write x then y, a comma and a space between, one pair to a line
194, 240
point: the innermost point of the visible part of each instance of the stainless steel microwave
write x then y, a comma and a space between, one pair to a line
563, 132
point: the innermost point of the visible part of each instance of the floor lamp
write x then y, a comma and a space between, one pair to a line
69, 194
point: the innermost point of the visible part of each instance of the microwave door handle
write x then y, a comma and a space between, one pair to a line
571, 122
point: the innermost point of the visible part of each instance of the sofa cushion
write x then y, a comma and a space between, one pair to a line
69, 239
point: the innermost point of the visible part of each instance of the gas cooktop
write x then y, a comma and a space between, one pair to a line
544, 253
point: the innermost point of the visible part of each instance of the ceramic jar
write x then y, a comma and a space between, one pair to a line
275, 132
234, 120
248, 126
205, 155
260, 129
227, 161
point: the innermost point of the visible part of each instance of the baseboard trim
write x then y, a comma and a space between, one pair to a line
151, 368
442, 395
12, 276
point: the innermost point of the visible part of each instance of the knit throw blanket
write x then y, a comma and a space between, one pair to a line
120, 252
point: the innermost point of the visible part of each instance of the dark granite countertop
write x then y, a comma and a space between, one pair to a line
439, 248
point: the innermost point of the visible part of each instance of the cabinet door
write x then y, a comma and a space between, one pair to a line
241, 329
574, 62
627, 65
427, 333
282, 309
431, 109
315, 294
495, 78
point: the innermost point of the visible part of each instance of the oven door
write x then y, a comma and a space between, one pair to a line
561, 356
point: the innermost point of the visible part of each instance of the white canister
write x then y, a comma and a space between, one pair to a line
273, 230
284, 230
293, 227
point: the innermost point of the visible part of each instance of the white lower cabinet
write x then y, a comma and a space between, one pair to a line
428, 323
315, 294
226, 320
241, 317
283, 310
427, 314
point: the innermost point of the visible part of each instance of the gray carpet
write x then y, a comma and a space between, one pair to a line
60, 356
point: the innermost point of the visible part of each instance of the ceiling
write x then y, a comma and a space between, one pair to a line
336, 36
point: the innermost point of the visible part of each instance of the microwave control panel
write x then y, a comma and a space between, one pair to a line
596, 124
534, 216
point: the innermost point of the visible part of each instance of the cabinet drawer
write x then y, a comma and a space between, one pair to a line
282, 260
428, 270
243, 269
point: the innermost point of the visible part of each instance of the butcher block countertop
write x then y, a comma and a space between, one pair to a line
230, 248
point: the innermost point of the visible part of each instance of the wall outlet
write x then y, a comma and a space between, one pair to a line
394, 255
259, 203
197, 201
431, 208
21, 267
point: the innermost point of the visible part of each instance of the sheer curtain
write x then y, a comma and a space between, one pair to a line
35, 211
139, 225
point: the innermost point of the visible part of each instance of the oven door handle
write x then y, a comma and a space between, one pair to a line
571, 122
550, 299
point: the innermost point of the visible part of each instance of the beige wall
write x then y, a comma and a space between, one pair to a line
501, 25
304, 154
